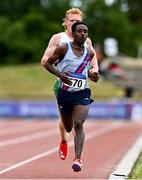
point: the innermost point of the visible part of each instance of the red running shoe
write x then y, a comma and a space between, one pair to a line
77, 165
63, 149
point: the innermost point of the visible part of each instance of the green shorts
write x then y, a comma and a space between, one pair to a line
56, 87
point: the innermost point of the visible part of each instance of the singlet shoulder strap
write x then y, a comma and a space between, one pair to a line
67, 45
64, 38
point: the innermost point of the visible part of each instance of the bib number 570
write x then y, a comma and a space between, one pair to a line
76, 82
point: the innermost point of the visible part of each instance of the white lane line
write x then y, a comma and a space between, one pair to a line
124, 167
89, 136
33, 136
10, 124
27, 127
30, 137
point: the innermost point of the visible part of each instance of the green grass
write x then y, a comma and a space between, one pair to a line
25, 82
32, 81
137, 170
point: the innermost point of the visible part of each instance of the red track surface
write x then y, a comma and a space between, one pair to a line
29, 149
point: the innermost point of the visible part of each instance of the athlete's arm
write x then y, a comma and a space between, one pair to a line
94, 61
94, 76
59, 53
53, 44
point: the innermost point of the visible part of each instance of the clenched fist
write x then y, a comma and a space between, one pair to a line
94, 76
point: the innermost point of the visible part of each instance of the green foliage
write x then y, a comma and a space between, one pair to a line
135, 14
111, 21
27, 25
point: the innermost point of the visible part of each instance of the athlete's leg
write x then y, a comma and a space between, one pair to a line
67, 122
80, 113
60, 123
63, 132
79, 116
65, 126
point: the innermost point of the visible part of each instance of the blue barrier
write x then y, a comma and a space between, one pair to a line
28, 109
108, 110
99, 110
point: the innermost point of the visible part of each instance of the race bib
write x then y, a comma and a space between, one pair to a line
78, 80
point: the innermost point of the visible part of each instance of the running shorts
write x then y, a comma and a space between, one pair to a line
67, 100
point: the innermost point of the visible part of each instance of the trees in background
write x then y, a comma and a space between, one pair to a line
27, 25
121, 20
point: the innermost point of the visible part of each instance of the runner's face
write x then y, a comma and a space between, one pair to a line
72, 18
81, 33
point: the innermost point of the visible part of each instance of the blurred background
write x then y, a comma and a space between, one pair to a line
115, 28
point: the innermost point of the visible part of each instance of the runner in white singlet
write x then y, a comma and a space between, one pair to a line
72, 15
73, 96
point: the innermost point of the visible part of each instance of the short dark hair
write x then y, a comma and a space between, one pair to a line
73, 28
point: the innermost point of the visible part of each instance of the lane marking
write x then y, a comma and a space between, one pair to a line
70, 143
124, 167
29, 126
33, 136
30, 137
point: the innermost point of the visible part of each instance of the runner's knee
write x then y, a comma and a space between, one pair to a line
78, 123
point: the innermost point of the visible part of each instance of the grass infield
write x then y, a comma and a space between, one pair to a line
137, 169
33, 82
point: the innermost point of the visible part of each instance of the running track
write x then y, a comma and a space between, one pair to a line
29, 149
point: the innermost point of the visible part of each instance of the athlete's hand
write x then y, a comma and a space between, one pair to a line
94, 76
63, 76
